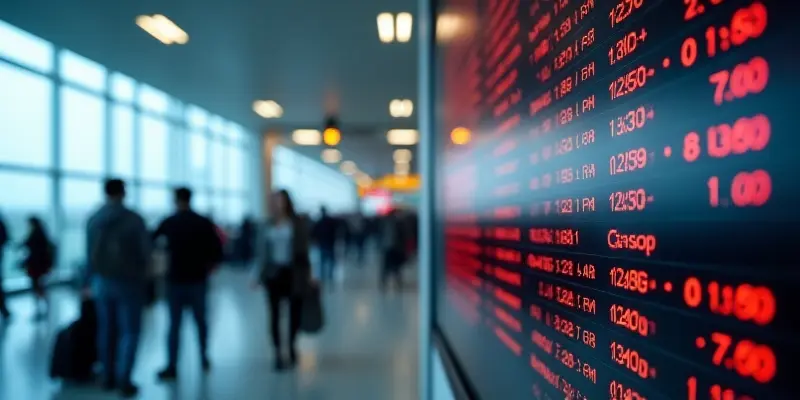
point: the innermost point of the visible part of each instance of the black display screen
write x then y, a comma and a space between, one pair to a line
616, 199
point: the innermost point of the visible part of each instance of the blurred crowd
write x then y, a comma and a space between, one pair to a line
126, 264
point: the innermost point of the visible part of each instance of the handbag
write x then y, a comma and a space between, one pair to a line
312, 318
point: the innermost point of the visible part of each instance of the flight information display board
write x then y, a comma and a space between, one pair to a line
616, 201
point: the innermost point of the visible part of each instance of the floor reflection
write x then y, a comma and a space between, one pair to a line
367, 351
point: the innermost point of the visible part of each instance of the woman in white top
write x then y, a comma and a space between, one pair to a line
284, 268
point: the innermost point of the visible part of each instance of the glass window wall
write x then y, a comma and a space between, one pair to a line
52, 165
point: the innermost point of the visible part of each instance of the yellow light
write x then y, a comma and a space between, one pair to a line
460, 136
331, 136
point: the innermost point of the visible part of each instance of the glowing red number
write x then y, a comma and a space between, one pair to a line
688, 52
751, 188
691, 147
713, 191
748, 23
692, 292
692, 9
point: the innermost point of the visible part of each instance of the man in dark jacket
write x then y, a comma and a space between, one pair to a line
394, 239
118, 256
195, 250
3, 240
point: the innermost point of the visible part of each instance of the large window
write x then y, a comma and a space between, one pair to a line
122, 157
23, 195
83, 122
25, 117
105, 123
153, 148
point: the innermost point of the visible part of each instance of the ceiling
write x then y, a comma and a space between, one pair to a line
313, 57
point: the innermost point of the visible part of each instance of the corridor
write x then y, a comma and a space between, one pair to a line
368, 349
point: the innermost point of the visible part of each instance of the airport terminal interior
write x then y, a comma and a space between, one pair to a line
438, 199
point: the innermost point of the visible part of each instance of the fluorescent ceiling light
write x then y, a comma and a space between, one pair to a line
163, 29
386, 27
267, 109
403, 137
402, 156
401, 108
307, 137
331, 156
402, 169
348, 167
404, 23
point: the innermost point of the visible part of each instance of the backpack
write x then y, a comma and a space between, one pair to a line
114, 254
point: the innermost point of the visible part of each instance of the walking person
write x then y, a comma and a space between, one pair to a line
118, 248
394, 239
194, 250
38, 262
325, 234
3, 240
284, 268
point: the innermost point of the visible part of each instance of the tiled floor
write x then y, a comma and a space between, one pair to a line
368, 350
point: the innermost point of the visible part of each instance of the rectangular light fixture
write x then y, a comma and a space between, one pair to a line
402, 137
307, 137
386, 27
267, 109
163, 29
403, 26
401, 108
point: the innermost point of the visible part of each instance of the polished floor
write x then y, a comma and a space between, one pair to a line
367, 351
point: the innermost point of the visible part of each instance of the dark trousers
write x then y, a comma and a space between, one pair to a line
3, 308
119, 316
279, 288
358, 247
392, 267
327, 262
179, 297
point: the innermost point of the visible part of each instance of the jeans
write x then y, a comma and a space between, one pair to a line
3, 308
179, 297
327, 262
119, 323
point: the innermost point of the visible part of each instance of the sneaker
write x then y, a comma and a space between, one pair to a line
108, 384
168, 374
292, 357
129, 390
280, 365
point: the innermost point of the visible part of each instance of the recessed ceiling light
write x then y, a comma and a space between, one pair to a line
404, 23
163, 29
267, 109
401, 108
348, 167
402, 156
331, 156
402, 137
307, 137
402, 169
386, 27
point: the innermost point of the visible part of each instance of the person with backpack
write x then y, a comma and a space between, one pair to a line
38, 262
3, 240
118, 256
195, 250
